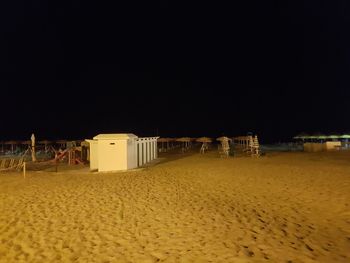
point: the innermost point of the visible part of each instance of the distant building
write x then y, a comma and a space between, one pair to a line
320, 142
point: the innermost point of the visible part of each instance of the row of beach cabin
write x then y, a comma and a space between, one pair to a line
320, 142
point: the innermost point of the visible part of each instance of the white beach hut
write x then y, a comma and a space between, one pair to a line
113, 152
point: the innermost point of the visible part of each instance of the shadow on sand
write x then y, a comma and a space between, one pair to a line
171, 156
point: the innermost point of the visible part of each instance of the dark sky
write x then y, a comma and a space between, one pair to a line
174, 68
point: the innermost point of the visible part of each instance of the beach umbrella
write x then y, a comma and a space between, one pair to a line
302, 136
183, 139
62, 143
333, 136
204, 139
345, 136
321, 137
12, 143
318, 136
222, 138
26, 143
162, 139
171, 141
45, 143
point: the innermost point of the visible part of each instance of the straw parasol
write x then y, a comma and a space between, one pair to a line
28, 142
45, 143
183, 139
345, 136
204, 140
333, 136
163, 140
318, 136
62, 143
185, 142
12, 143
222, 138
302, 136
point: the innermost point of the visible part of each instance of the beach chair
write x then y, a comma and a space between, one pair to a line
20, 163
11, 164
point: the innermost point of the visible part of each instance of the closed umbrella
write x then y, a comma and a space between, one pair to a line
32, 138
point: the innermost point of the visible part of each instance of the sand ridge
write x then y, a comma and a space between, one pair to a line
290, 207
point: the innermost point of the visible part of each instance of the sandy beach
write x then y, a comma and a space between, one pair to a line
282, 207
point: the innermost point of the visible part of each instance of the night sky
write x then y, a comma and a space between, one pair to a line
71, 70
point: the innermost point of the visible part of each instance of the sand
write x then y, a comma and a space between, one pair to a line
286, 207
